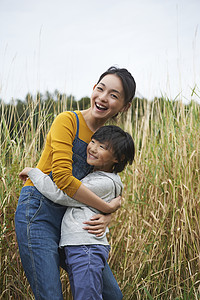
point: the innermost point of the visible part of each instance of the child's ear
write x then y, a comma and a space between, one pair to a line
115, 161
123, 157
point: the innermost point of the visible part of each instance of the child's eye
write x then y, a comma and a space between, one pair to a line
105, 147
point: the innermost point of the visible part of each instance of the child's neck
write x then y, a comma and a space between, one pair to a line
102, 170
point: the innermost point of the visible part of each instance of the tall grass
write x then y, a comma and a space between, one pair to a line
155, 236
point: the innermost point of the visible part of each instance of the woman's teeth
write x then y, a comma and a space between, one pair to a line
100, 107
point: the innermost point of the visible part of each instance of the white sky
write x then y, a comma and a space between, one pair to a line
66, 45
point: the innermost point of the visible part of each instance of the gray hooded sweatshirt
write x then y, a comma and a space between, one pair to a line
105, 185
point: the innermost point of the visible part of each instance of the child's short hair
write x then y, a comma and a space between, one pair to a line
120, 142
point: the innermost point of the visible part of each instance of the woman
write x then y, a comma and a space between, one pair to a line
37, 219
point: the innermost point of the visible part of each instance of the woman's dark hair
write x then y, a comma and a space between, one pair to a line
127, 80
120, 142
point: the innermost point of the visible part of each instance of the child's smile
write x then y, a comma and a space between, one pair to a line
100, 156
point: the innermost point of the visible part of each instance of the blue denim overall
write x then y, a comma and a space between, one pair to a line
37, 226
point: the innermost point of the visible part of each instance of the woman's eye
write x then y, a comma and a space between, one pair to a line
99, 88
114, 96
102, 147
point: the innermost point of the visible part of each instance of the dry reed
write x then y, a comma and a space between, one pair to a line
154, 237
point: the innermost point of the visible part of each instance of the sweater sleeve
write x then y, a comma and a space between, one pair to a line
61, 137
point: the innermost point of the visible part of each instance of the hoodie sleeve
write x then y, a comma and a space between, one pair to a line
48, 188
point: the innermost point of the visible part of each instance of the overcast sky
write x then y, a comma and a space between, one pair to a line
66, 45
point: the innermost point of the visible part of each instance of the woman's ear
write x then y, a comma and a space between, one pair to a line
126, 107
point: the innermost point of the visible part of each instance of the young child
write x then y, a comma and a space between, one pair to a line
108, 152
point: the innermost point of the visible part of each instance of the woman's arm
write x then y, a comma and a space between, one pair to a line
98, 224
87, 197
61, 138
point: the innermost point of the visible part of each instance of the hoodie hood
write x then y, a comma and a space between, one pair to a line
115, 177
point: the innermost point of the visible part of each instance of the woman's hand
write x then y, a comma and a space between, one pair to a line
23, 175
98, 224
115, 204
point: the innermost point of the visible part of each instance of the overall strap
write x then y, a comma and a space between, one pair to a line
77, 121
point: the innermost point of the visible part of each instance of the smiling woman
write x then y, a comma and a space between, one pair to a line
108, 96
37, 219
112, 94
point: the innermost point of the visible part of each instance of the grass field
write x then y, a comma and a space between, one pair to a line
155, 236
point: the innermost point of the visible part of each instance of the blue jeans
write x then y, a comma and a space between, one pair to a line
85, 264
37, 225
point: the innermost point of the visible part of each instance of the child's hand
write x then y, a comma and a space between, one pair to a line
115, 204
23, 175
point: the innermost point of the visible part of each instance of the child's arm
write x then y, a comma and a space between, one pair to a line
47, 187
98, 223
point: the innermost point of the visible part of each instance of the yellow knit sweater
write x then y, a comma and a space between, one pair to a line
57, 153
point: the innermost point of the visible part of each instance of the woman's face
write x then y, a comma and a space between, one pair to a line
107, 98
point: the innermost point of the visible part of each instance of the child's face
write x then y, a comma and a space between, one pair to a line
107, 98
99, 156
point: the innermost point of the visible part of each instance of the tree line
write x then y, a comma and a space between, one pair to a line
32, 109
